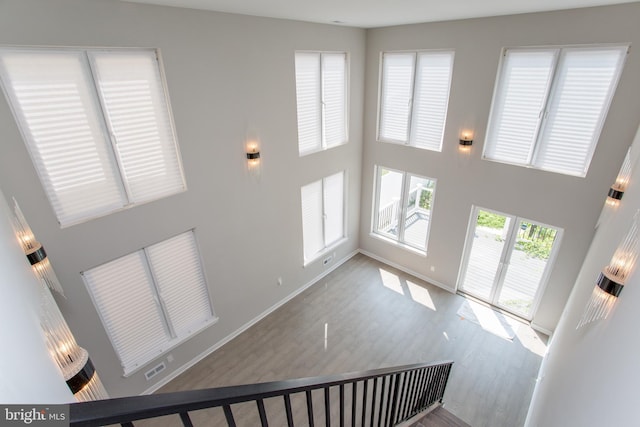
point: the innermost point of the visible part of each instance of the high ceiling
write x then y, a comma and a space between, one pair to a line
379, 13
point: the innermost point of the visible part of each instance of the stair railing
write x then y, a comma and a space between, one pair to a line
381, 397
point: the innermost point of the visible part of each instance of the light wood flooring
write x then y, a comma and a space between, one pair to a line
376, 316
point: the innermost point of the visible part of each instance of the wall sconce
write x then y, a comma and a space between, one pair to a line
35, 253
72, 360
253, 158
466, 140
613, 277
622, 181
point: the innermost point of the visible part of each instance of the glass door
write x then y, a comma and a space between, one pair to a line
507, 260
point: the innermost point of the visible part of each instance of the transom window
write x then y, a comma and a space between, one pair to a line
550, 104
151, 300
323, 205
321, 91
403, 207
97, 125
414, 94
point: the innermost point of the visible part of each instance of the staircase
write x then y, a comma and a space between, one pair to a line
439, 417
384, 397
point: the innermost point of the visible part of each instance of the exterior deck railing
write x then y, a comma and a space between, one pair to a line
382, 397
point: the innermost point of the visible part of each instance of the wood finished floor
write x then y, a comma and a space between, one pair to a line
377, 316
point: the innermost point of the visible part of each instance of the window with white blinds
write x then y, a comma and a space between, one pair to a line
321, 93
550, 104
151, 300
414, 95
322, 215
97, 125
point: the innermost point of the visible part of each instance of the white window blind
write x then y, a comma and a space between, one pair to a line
132, 93
97, 126
549, 106
152, 299
322, 215
414, 97
321, 93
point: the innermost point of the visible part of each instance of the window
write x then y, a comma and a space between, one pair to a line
403, 207
549, 106
414, 95
321, 90
97, 125
323, 204
151, 300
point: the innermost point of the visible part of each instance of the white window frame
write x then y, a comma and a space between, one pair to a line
320, 142
400, 211
163, 304
539, 142
116, 191
327, 246
413, 112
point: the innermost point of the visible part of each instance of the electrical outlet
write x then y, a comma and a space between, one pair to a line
327, 260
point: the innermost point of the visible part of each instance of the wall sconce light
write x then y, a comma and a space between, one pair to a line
253, 158
466, 140
35, 253
613, 277
622, 181
72, 360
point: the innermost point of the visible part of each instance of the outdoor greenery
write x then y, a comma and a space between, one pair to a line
487, 219
425, 200
534, 240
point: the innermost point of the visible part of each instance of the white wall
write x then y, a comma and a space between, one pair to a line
590, 376
567, 202
229, 77
28, 373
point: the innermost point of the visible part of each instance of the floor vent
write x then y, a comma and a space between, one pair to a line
155, 371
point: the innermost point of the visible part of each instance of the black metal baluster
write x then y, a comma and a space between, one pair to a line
341, 405
327, 407
394, 401
228, 414
309, 408
354, 402
287, 408
382, 396
391, 399
186, 421
262, 412
373, 400
408, 392
365, 386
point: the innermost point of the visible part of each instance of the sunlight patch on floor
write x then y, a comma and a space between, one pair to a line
421, 295
391, 281
490, 320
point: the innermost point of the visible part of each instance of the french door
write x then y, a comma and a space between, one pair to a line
507, 260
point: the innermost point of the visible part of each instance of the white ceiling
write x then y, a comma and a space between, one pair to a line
379, 13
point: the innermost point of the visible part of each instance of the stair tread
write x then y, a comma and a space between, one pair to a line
440, 417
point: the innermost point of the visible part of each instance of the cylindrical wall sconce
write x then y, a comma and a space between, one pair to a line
622, 181
72, 360
611, 280
253, 158
465, 141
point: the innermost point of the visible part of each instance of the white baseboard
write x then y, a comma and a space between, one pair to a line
408, 271
539, 328
246, 326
